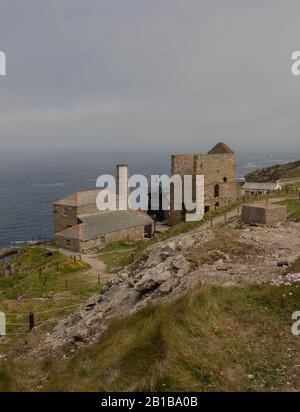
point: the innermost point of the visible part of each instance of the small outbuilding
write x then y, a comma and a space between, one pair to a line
264, 214
253, 188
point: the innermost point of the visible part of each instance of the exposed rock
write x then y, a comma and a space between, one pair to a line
164, 273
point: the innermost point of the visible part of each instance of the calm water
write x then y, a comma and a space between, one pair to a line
30, 182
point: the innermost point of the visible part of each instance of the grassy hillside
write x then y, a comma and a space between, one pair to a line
227, 339
50, 285
293, 209
275, 172
294, 172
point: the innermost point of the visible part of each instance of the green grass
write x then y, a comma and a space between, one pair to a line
295, 172
213, 339
35, 274
119, 254
50, 286
293, 208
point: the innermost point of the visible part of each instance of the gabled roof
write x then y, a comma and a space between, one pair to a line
101, 223
261, 186
83, 198
221, 148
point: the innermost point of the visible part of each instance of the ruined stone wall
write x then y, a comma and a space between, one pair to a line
135, 233
88, 209
264, 214
182, 164
218, 169
63, 221
65, 243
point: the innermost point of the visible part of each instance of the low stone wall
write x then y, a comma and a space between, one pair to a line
135, 233
264, 214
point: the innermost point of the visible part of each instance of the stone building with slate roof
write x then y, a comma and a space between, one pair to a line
80, 226
219, 169
253, 188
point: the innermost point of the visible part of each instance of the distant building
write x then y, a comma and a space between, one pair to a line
219, 169
252, 188
80, 226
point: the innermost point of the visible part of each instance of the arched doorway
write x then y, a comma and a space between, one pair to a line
216, 191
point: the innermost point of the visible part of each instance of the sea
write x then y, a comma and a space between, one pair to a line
31, 181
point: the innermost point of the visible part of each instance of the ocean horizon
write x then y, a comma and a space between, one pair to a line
30, 182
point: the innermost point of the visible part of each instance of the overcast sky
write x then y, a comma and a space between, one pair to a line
141, 74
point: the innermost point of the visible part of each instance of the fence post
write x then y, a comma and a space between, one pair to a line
98, 279
225, 216
57, 265
31, 321
211, 223
45, 280
40, 272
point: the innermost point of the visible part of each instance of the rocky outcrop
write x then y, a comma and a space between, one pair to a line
162, 274
167, 270
273, 173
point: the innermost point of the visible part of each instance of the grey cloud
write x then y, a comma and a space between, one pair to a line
136, 74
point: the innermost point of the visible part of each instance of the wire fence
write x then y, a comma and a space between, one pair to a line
23, 323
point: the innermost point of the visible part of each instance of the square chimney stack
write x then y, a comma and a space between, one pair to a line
122, 191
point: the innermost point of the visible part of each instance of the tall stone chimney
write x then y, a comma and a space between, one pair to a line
122, 187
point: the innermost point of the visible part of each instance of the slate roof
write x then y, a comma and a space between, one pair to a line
221, 148
102, 223
261, 186
83, 198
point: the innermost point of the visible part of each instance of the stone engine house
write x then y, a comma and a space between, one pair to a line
219, 169
81, 227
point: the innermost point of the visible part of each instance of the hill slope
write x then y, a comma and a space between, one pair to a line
195, 312
214, 338
274, 173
